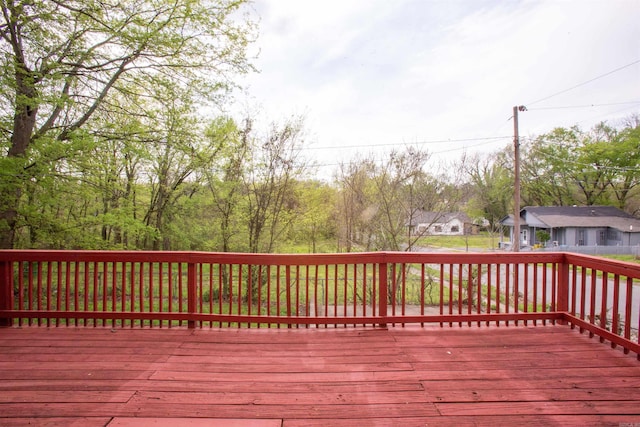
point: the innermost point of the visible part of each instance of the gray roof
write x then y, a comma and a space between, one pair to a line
577, 216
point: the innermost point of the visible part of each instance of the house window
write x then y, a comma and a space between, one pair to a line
613, 235
580, 240
455, 229
438, 228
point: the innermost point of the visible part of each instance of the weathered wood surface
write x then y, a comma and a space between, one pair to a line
544, 375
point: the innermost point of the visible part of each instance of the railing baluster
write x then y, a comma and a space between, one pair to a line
479, 291
422, 285
259, 291
498, 301
488, 309
535, 291
382, 292
627, 312
469, 290
59, 287
573, 289
336, 297
239, 293
269, 293
544, 291
507, 284
287, 278
563, 287
355, 292
451, 291
403, 290
603, 302
315, 294
191, 293
614, 315
278, 294
49, 295
114, 293
20, 273
516, 289
592, 312
160, 291
297, 282
364, 290
525, 297
374, 290
441, 302
6, 291
123, 292
307, 306
583, 297
132, 291
345, 287
554, 287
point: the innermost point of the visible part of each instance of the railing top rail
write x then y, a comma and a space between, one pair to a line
280, 259
622, 268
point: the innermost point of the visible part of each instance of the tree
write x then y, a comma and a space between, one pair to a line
381, 199
356, 203
492, 188
549, 169
269, 183
225, 176
571, 166
625, 153
315, 213
63, 60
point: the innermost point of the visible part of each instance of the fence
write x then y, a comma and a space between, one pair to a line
120, 289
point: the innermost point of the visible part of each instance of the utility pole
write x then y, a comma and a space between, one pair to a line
516, 174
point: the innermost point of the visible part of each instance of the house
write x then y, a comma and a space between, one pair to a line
576, 226
440, 223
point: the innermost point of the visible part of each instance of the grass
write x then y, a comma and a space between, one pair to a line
478, 241
627, 258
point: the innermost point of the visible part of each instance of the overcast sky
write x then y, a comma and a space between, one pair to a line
371, 75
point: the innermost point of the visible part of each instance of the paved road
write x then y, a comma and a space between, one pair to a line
598, 294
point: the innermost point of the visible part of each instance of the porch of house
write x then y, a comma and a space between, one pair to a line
335, 376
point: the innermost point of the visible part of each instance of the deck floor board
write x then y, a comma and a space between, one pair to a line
410, 376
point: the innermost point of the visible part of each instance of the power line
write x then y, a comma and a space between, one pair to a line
584, 83
395, 144
591, 165
585, 106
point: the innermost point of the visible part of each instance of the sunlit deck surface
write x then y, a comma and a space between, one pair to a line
407, 376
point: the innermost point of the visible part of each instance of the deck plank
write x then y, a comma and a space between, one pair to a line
542, 375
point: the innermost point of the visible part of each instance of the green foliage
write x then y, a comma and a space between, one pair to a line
542, 236
571, 166
492, 189
79, 75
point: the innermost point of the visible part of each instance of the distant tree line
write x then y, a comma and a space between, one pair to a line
564, 167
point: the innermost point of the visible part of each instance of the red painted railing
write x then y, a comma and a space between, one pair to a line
167, 289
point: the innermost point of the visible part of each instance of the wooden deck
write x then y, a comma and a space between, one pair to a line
544, 375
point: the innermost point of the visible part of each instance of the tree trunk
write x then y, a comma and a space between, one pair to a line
23, 125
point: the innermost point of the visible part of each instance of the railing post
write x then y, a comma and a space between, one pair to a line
382, 292
562, 302
6, 292
191, 293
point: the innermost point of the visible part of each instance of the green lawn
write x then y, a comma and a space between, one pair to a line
478, 241
628, 258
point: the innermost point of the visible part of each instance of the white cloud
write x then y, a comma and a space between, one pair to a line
377, 72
